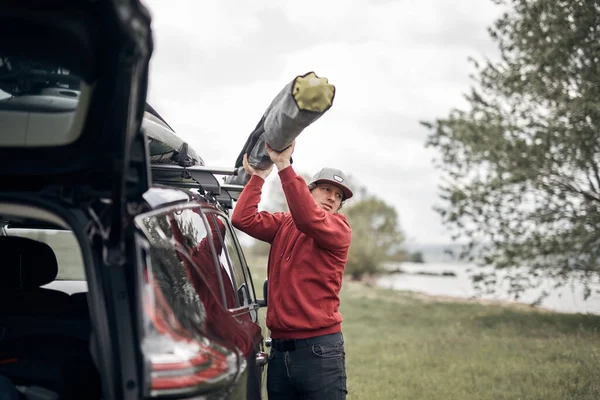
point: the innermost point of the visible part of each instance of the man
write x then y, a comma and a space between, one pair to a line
309, 250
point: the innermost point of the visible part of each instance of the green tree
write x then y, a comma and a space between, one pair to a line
521, 162
376, 236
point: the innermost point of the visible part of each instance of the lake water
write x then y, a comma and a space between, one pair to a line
568, 299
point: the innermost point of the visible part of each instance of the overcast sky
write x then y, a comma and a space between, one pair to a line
218, 64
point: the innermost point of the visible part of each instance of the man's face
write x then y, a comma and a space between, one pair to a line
328, 197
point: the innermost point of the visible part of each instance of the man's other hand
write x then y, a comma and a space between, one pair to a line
281, 158
263, 173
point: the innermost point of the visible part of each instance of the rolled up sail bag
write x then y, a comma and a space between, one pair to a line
300, 103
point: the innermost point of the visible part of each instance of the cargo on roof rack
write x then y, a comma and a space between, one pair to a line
165, 146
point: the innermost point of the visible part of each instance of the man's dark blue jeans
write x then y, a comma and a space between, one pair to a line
313, 368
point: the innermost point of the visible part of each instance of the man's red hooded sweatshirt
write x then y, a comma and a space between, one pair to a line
309, 250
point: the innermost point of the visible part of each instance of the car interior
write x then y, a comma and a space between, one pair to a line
44, 320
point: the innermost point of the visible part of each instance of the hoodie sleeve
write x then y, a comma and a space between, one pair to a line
246, 217
330, 231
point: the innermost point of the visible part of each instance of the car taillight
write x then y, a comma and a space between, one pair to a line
181, 363
179, 367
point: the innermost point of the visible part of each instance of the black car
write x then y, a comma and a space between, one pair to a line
121, 275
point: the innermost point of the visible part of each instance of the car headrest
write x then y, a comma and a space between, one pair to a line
26, 263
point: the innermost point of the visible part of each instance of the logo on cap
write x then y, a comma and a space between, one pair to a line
338, 178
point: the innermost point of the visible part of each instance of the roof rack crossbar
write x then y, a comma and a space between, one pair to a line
234, 191
195, 168
198, 176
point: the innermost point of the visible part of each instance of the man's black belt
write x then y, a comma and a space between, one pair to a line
295, 344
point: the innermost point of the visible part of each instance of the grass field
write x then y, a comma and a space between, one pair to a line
405, 346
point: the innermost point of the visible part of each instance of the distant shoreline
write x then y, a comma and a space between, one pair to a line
432, 298
399, 270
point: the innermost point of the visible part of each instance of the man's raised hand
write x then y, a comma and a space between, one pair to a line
281, 158
263, 173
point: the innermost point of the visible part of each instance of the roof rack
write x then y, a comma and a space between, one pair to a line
198, 177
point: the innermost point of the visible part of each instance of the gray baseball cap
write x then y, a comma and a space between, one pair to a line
335, 177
